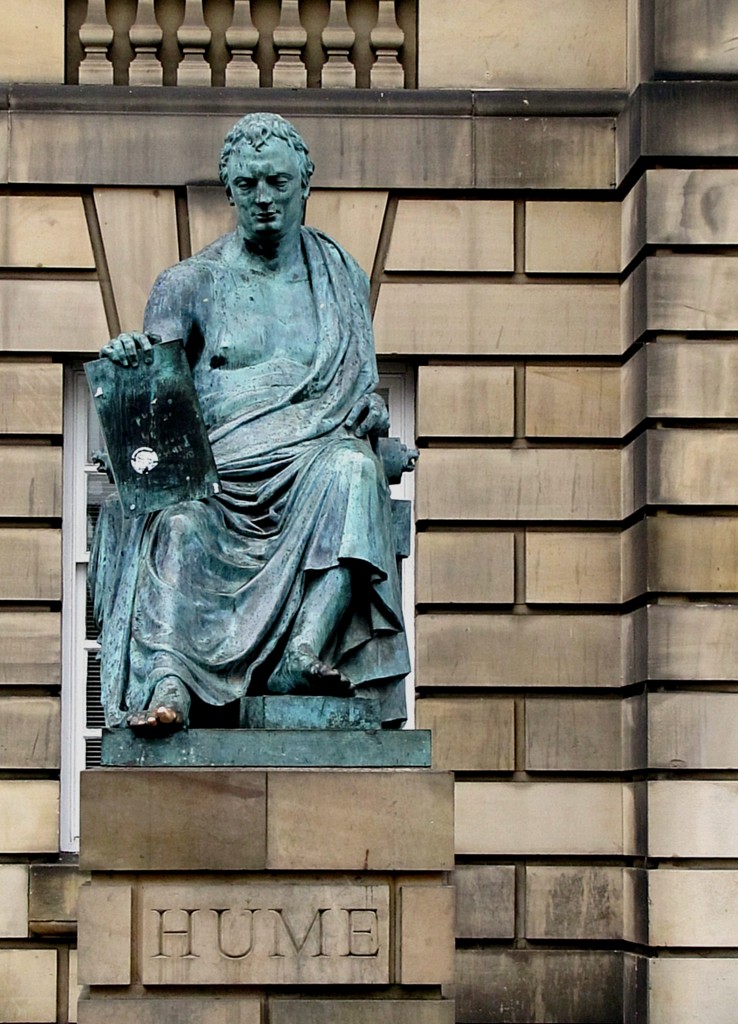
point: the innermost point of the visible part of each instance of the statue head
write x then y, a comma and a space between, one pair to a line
255, 131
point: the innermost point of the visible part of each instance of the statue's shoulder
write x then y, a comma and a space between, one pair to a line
331, 251
195, 272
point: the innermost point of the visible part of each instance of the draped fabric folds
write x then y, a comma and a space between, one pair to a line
208, 590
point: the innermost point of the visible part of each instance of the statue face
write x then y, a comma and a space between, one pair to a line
266, 189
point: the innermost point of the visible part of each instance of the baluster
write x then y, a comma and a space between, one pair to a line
338, 38
145, 36
241, 40
193, 35
289, 40
96, 35
386, 40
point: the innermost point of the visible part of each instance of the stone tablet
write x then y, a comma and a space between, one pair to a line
154, 431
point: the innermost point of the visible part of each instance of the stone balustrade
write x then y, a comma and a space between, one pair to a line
342, 44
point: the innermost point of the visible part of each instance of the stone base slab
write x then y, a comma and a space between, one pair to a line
295, 712
270, 748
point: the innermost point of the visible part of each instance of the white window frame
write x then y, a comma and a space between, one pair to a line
395, 378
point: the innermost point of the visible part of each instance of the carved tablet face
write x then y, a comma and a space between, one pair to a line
266, 188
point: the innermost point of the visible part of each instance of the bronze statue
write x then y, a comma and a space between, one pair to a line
286, 581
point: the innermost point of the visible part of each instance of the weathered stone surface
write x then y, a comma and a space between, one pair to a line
529, 483
692, 379
688, 43
692, 990
264, 934
691, 207
29, 732
517, 986
692, 293
466, 401
572, 238
153, 1009
522, 45
104, 945
469, 733
53, 893
692, 467
452, 234
31, 398
28, 985
30, 648
353, 218
692, 908
692, 730
576, 566
691, 818
210, 214
30, 564
378, 821
225, 812
492, 318
570, 734
51, 316
584, 818
360, 1011
485, 901
692, 554
44, 231
33, 42
14, 904
427, 919
573, 902
29, 816
573, 401
30, 481
524, 650
469, 567
289, 711
692, 642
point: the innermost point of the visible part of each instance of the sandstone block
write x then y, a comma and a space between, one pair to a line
427, 927
573, 401
572, 238
692, 730
210, 214
469, 733
692, 207
45, 231
33, 42
361, 1011
353, 218
30, 564
378, 821
53, 897
105, 920
465, 401
492, 318
574, 902
692, 990
30, 398
577, 566
692, 554
692, 642
692, 379
570, 734
190, 1009
51, 316
692, 293
28, 986
225, 811
524, 650
692, 467
29, 732
452, 234
29, 816
687, 43
522, 45
692, 908
584, 818
30, 648
520, 483
473, 567
485, 901
30, 481
14, 905
691, 818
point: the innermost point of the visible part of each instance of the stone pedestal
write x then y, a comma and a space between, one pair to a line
238, 895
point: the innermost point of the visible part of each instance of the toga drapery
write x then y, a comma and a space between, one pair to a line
208, 590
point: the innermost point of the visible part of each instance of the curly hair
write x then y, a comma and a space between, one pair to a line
255, 130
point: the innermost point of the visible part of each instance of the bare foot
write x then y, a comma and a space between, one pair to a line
302, 671
168, 711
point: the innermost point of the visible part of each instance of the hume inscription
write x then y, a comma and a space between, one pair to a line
243, 934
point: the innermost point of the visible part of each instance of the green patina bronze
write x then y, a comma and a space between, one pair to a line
285, 582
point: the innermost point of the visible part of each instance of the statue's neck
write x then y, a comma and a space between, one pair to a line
274, 255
